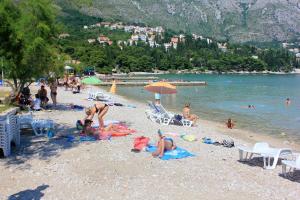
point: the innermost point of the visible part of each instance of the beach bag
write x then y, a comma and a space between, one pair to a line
140, 143
228, 143
178, 117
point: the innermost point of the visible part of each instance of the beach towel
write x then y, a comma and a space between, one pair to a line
208, 140
72, 138
140, 142
189, 138
177, 153
106, 123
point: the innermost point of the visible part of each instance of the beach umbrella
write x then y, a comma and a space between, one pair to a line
91, 81
161, 88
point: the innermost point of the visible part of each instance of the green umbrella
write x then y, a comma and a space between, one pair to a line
91, 80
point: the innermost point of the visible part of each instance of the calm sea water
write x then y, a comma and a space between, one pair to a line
228, 96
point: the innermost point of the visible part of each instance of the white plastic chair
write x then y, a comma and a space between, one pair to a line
264, 150
42, 126
293, 164
256, 149
275, 154
25, 120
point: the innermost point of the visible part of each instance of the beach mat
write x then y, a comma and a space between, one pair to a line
72, 138
177, 153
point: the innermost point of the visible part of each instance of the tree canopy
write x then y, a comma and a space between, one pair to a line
27, 40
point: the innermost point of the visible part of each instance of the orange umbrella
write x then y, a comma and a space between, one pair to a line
161, 88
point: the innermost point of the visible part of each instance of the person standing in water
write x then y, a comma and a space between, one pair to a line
288, 101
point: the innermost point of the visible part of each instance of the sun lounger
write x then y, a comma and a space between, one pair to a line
293, 164
264, 150
159, 114
99, 96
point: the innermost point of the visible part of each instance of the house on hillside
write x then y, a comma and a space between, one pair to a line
135, 37
104, 40
90, 41
167, 46
113, 27
174, 41
105, 24
128, 28
182, 38
222, 46
208, 40
98, 24
64, 35
143, 37
298, 57
85, 27
151, 43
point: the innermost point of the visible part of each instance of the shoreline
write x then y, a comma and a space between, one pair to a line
295, 71
242, 134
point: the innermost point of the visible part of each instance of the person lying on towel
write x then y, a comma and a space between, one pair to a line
107, 132
164, 144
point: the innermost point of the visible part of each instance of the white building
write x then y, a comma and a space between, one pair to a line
167, 46
143, 37
135, 37
85, 27
90, 41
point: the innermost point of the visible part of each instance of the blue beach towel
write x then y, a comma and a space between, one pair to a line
72, 138
177, 153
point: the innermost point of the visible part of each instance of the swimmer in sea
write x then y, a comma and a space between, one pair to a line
288, 101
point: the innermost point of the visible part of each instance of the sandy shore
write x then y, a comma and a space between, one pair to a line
57, 169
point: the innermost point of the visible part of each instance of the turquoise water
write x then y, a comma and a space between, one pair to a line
228, 96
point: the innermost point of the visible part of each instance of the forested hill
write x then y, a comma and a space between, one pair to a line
113, 50
235, 20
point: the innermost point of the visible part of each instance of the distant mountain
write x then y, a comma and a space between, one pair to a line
236, 20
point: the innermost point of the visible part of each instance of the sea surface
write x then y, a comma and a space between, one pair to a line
227, 96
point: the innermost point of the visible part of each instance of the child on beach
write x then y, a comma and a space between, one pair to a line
164, 144
36, 104
230, 123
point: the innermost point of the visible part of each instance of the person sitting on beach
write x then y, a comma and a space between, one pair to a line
36, 104
186, 113
230, 124
43, 95
164, 144
100, 109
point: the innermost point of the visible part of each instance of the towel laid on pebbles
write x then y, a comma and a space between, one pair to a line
177, 153
72, 138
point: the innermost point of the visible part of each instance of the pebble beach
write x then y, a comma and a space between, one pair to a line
53, 168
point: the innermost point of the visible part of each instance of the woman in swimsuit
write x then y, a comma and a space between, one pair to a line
99, 109
164, 144
186, 112
53, 91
